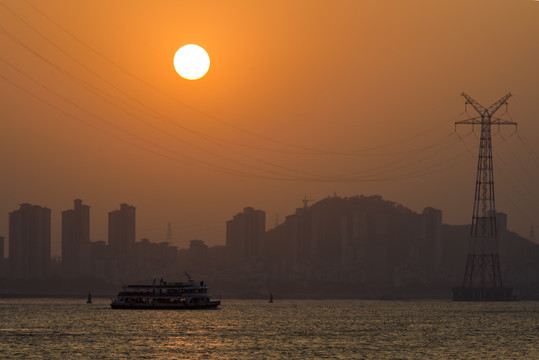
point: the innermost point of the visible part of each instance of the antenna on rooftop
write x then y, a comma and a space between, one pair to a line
169, 233
306, 202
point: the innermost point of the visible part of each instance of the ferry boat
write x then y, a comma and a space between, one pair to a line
165, 296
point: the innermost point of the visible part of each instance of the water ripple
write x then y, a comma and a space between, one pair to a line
248, 329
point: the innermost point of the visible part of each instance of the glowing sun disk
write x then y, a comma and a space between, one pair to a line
191, 62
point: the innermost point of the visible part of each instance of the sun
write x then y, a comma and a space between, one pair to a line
191, 62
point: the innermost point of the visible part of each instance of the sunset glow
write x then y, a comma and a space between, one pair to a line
344, 171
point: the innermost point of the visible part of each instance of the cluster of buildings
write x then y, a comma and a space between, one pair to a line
358, 239
363, 243
361, 240
362, 246
121, 258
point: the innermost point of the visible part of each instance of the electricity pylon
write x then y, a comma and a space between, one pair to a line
482, 277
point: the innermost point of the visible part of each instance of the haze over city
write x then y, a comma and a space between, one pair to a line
303, 98
254, 179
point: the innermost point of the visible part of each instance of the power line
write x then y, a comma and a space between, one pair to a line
95, 91
99, 93
305, 150
281, 176
207, 165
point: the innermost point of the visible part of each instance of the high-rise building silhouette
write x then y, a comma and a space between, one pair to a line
244, 234
2, 260
30, 241
75, 238
1, 248
198, 249
122, 230
431, 246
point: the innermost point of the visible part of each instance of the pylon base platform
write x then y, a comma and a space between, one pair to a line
483, 294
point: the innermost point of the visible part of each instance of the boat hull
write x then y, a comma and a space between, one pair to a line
209, 305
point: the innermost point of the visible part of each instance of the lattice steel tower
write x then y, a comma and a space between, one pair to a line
482, 277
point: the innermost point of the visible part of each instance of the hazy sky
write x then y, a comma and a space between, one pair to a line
302, 98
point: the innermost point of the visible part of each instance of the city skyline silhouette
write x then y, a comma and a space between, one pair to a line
349, 98
269, 179
367, 246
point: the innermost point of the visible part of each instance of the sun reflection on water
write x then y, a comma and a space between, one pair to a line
250, 329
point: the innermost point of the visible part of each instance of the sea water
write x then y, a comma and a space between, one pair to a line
284, 329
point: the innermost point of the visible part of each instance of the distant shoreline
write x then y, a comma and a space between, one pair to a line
66, 297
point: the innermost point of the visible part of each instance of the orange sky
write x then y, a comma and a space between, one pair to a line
302, 98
